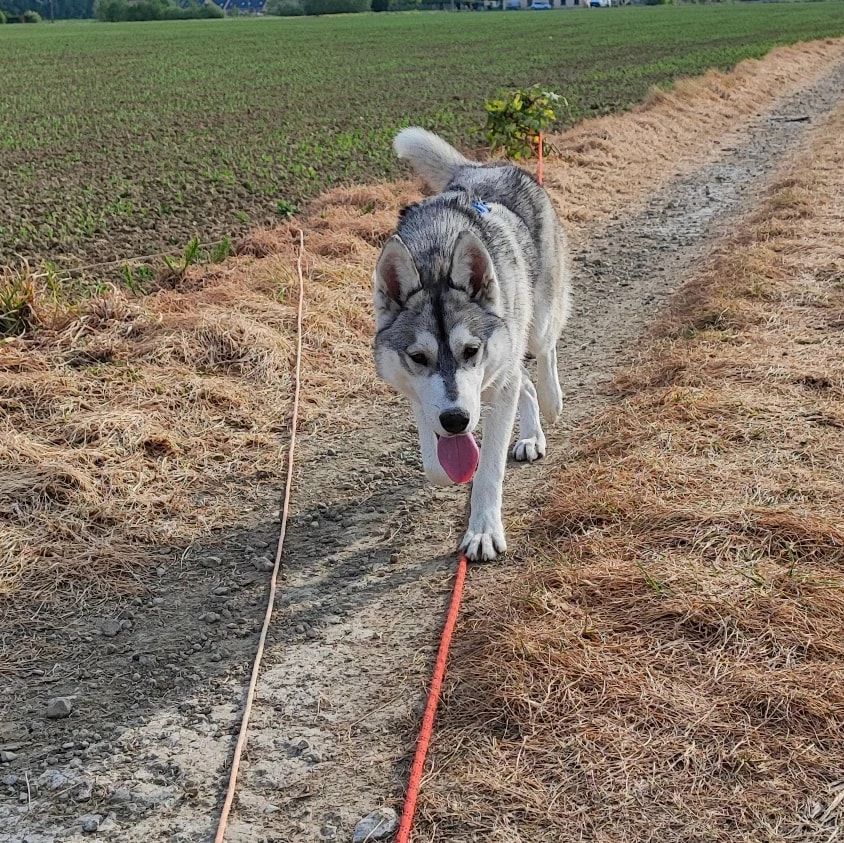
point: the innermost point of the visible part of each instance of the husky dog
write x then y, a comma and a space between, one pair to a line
474, 279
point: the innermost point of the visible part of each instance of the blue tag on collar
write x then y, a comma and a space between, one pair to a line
480, 207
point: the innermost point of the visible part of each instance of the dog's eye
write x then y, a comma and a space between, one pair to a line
419, 357
469, 352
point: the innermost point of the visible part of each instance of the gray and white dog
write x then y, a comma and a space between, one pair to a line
474, 279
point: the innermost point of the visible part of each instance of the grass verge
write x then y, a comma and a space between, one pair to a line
671, 667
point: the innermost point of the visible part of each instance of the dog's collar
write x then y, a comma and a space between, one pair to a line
481, 207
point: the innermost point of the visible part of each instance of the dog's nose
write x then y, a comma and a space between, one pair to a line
454, 421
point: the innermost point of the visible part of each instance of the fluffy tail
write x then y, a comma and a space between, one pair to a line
430, 156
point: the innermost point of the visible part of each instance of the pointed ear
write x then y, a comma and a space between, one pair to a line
395, 277
471, 266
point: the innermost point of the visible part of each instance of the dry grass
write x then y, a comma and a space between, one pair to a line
130, 422
671, 666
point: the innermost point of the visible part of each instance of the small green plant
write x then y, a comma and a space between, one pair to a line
54, 283
175, 268
285, 209
222, 250
31, 17
136, 279
515, 119
653, 583
17, 303
2, 17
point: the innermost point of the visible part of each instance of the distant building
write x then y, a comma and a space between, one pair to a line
246, 7
506, 4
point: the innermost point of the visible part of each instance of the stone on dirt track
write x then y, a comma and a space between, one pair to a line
379, 825
90, 823
59, 707
109, 627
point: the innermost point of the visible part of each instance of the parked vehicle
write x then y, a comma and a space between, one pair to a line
598, 4
539, 5
511, 5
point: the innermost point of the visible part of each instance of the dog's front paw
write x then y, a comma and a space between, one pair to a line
485, 540
529, 449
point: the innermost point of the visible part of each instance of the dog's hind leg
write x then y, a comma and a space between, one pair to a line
531, 443
548, 323
549, 391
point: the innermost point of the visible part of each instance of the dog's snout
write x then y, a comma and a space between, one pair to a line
454, 421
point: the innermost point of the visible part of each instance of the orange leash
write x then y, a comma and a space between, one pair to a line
253, 681
427, 729
540, 166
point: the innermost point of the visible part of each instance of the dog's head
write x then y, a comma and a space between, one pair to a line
440, 336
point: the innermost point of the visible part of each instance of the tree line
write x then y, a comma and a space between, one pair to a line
32, 11
122, 10
61, 9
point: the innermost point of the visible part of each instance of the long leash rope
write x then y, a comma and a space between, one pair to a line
256, 666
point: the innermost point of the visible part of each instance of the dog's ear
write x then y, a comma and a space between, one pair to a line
395, 277
471, 267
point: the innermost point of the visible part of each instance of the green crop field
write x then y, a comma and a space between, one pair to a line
122, 139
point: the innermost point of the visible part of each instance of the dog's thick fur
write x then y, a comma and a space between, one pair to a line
474, 279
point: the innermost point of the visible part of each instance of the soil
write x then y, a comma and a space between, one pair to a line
154, 685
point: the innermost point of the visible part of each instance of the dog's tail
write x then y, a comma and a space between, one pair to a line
430, 156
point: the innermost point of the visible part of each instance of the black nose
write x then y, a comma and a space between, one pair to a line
454, 421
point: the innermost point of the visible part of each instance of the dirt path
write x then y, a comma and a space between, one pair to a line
368, 568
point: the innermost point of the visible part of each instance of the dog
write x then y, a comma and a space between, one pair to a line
475, 279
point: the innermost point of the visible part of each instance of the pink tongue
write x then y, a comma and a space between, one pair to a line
458, 455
